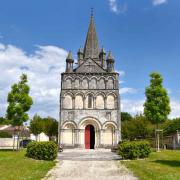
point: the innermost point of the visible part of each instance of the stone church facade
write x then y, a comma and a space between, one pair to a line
89, 98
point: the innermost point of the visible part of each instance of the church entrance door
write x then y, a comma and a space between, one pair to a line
89, 137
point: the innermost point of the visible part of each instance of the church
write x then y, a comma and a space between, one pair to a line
89, 98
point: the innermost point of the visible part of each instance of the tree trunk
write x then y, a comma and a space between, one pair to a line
13, 139
157, 138
18, 137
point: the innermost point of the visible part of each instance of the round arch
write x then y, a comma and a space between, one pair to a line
109, 123
90, 120
85, 122
74, 125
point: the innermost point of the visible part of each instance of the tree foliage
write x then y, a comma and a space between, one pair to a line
47, 125
172, 126
137, 128
126, 116
50, 127
19, 102
36, 125
4, 121
157, 105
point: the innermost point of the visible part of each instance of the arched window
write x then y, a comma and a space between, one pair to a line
76, 84
109, 135
99, 102
110, 102
68, 84
110, 83
67, 103
101, 84
68, 135
78, 102
92, 84
90, 101
85, 84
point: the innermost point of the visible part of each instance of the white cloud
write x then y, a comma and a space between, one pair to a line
121, 73
116, 8
175, 109
132, 106
127, 90
159, 2
136, 107
43, 68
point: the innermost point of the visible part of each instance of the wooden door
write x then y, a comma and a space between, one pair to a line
87, 137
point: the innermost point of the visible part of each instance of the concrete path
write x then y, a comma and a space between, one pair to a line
78, 164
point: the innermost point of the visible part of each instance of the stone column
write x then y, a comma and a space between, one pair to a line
84, 99
101, 137
105, 103
116, 137
94, 102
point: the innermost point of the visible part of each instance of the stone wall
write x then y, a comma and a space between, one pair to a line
7, 143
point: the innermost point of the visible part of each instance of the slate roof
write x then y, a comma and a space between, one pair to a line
91, 47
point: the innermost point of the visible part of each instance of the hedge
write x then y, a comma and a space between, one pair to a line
4, 134
134, 149
42, 150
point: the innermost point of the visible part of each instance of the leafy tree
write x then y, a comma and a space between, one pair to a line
157, 105
36, 125
4, 121
126, 116
50, 127
19, 102
172, 126
137, 128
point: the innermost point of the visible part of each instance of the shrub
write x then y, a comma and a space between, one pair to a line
4, 134
134, 149
42, 150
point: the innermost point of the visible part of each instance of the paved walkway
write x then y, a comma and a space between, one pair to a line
78, 164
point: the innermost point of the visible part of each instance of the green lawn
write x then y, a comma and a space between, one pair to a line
15, 166
163, 165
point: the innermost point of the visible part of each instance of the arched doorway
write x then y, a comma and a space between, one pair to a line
89, 137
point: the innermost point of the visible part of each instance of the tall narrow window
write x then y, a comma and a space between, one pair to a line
90, 101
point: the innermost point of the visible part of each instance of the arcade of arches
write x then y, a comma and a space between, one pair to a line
89, 98
89, 101
89, 134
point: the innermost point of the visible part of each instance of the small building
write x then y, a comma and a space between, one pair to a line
172, 141
40, 137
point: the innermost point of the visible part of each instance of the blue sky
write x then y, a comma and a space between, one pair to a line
36, 35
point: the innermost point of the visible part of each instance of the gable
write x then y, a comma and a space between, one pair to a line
89, 66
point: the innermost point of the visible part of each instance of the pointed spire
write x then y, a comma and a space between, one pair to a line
110, 57
91, 47
70, 57
110, 62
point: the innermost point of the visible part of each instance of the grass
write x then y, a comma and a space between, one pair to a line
15, 166
164, 165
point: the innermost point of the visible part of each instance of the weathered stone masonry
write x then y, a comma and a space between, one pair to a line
90, 96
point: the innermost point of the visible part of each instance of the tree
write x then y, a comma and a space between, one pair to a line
126, 116
19, 103
36, 125
157, 105
4, 121
137, 128
50, 127
172, 126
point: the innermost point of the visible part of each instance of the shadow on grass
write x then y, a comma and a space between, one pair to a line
172, 163
6, 150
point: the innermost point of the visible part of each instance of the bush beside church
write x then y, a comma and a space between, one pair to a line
42, 150
134, 149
